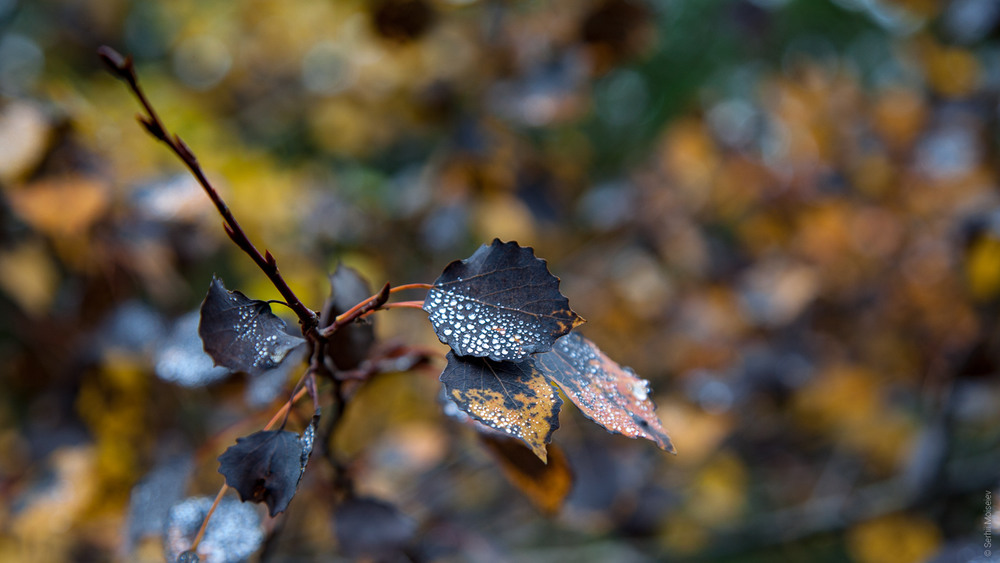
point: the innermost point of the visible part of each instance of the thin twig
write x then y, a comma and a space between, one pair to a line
406, 286
123, 68
396, 305
372, 303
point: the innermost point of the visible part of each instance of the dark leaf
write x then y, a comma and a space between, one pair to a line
512, 397
349, 346
545, 484
267, 466
233, 534
501, 303
242, 333
370, 527
181, 359
608, 394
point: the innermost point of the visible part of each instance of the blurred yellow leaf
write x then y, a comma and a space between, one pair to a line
702, 431
718, 494
61, 207
897, 538
505, 217
28, 276
951, 71
982, 268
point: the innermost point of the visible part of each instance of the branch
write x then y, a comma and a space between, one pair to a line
123, 68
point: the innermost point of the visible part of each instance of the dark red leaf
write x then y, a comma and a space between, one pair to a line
608, 394
267, 466
500, 303
371, 528
241, 333
349, 346
512, 397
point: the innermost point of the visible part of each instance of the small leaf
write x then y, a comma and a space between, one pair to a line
545, 484
242, 333
349, 346
512, 397
367, 527
500, 303
267, 466
608, 394
233, 533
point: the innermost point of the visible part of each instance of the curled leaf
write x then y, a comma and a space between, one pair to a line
512, 397
500, 303
241, 333
267, 466
607, 393
546, 484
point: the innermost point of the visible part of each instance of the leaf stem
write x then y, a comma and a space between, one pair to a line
398, 305
204, 523
123, 68
404, 287
285, 408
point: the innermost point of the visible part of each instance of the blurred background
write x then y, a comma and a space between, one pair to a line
783, 213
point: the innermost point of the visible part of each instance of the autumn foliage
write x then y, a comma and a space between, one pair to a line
312, 277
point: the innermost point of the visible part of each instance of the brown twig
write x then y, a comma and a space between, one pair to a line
372, 303
122, 67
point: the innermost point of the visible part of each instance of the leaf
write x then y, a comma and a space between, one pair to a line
267, 466
349, 346
545, 484
608, 394
370, 527
242, 333
233, 533
501, 303
512, 397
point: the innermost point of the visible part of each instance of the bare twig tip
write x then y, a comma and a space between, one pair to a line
383, 295
118, 64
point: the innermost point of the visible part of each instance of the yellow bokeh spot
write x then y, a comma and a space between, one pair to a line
897, 538
982, 269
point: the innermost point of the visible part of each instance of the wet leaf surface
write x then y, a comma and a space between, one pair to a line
233, 534
370, 527
500, 303
241, 333
512, 397
546, 484
607, 393
267, 466
349, 346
